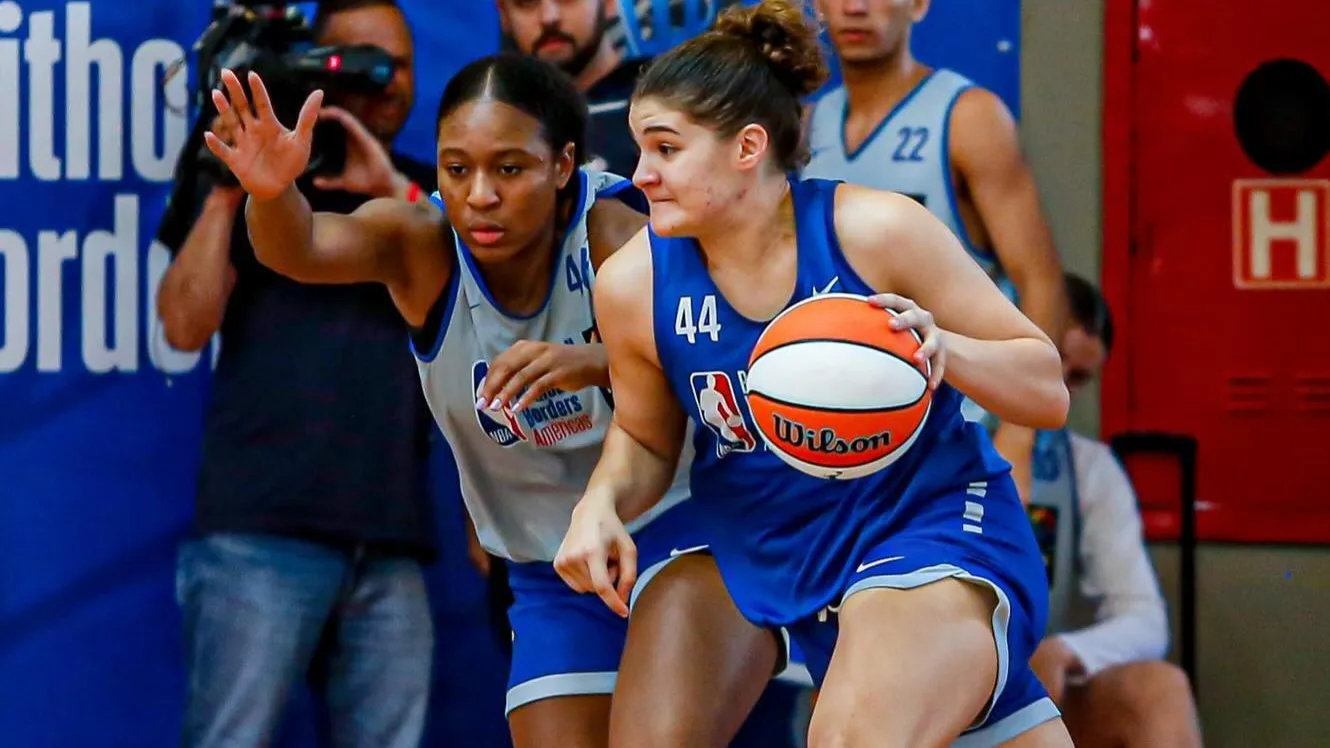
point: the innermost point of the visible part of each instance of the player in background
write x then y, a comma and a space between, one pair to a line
896, 124
917, 593
496, 287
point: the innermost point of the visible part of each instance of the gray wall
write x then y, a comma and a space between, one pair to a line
1061, 87
1263, 641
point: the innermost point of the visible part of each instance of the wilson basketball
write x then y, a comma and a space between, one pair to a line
835, 392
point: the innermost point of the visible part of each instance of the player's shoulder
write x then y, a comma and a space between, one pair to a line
979, 118
617, 214
868, 220
624, 279
876, 216
831, 98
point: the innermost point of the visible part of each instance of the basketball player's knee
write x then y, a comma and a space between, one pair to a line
662, 728
855, 733
856, 719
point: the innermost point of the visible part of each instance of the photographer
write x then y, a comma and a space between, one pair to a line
312, 516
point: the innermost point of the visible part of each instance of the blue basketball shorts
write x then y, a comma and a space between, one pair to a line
982, 536
567, 643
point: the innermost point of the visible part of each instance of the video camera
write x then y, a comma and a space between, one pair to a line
274, 40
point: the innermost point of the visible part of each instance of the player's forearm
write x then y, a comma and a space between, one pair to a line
281, 231
1017, 380
629, 477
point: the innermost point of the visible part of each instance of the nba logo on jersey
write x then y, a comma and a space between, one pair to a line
718, 405
505, 433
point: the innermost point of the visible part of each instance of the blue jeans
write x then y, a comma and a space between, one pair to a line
261, 613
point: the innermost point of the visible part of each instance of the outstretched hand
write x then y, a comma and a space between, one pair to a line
265, 156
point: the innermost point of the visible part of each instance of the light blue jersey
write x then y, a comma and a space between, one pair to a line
523, 472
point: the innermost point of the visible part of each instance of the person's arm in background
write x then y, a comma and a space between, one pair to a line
1131, 621
985, 149
192, 295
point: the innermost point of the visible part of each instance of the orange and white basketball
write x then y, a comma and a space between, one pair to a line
834, 390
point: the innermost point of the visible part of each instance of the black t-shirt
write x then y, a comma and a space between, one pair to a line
317, 427
610, 140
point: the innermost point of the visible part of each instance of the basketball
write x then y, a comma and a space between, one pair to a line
835, 392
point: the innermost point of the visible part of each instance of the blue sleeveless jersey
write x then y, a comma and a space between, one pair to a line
787, 542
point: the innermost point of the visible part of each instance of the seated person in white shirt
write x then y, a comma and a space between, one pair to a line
1108, 677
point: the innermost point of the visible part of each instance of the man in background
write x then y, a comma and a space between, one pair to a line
312, 515
896, 124
1109, 677
575, 36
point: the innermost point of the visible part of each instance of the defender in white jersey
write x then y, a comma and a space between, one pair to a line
497, 286
896, 124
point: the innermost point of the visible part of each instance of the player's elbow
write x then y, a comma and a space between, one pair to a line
278, 259
1049, 399
1055, 401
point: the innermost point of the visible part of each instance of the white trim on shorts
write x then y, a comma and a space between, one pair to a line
651, 571
1014, 724
559, 684
980, 735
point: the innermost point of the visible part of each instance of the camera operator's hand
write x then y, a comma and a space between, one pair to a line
369, 169
265, 157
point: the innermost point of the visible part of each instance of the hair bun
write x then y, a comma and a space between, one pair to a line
785, 37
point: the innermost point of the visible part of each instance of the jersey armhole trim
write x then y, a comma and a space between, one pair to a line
429, 336
657, 322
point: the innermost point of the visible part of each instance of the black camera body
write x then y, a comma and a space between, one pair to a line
274, 40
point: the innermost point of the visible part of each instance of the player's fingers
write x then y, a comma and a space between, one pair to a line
535, 390
501, 370
227, 123
568, 570
226, 126
572, 566
930, 353
239, 101
516, 384
219, 149
627, 551
329, 184
937, 367
309, 116
891, 301
262, 103
599, 569
910, 319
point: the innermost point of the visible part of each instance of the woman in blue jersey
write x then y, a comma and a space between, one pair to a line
917, 594
497, 288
